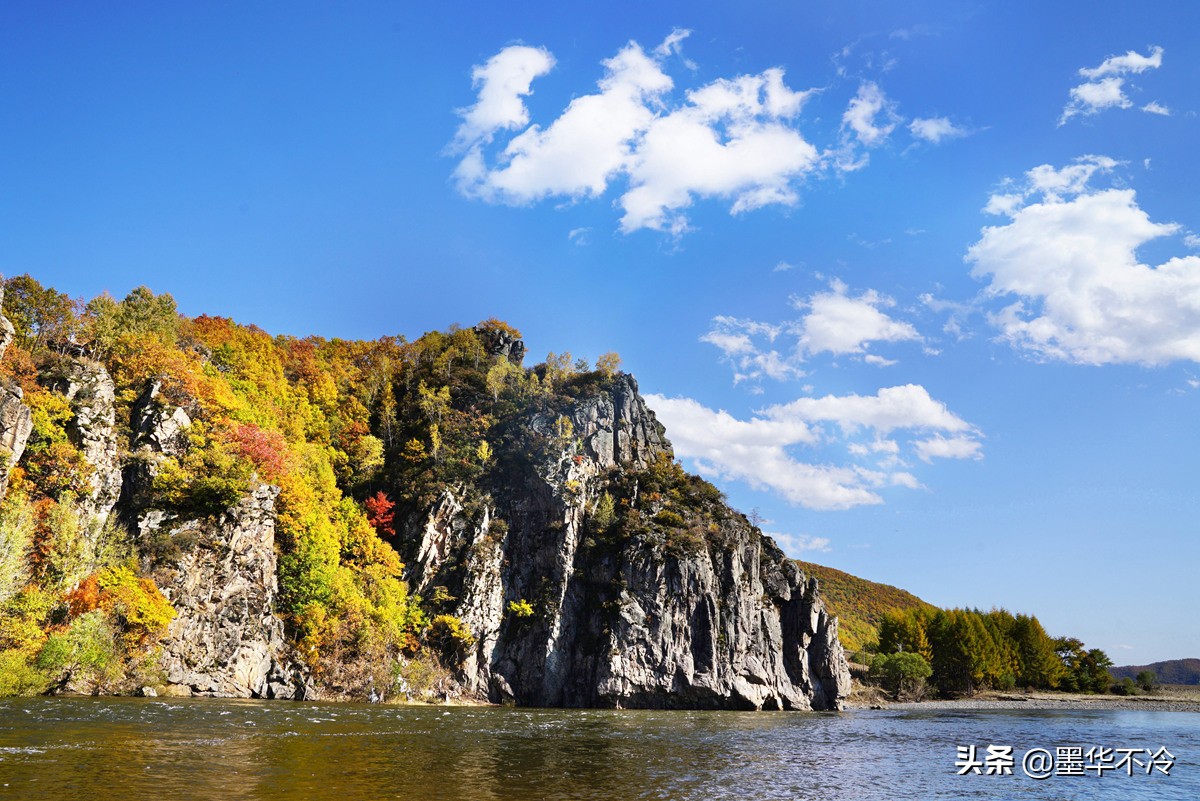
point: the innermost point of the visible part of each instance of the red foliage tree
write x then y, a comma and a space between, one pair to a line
267, 450
380, 514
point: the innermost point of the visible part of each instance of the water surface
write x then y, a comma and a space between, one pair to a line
83, 748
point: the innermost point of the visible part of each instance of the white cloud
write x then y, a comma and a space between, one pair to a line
588, 144
795, 544
1069, 256
502, 82
783, 267
730, 140
757, 450
1154, 107
733, 139
956, 320
579, 236
935, 129
862, 113
1192, 241
1130, 62
833, 322
673, 45
891, 408
840, 324
948, 448
736, 340
1106, 85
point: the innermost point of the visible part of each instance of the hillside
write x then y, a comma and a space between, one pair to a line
1172, 671
859, 604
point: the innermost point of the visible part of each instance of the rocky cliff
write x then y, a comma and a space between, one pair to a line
16, 422
689, 608
563, 557
225, 639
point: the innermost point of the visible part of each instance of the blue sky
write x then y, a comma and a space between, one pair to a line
920, 282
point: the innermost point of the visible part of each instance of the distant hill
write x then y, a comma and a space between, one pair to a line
859, 604
1173, 671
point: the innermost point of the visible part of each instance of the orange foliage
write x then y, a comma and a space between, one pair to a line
267, 450
84, 598
380, 514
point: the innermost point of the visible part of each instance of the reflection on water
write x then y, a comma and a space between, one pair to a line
208, 749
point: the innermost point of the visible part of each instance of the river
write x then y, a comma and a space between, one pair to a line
174, 750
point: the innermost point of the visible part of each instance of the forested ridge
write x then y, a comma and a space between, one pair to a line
908, 642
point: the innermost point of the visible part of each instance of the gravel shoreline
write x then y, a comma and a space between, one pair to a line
1144, 703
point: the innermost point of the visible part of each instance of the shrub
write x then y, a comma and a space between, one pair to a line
451, 637
668, 518
1124, 687
19, 675
904, 674
520, 609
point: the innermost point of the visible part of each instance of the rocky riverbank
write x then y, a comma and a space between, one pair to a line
1168, 700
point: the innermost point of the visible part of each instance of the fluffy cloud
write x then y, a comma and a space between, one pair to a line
502, 82
840, 324
1068, 254
591, 141
935, 129
733, 139
833, 322
870, 115
1105, 87
757, 450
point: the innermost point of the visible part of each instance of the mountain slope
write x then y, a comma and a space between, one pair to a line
858, 603
1172, 671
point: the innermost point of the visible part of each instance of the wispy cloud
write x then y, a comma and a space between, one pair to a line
1105, 87
835, 321
936, 130
759, 450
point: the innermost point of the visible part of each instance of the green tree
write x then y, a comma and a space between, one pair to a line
904, 674
1039, 664
1147, 680
39, 314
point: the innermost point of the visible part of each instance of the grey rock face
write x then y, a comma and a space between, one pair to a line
91, 392
733, 625
226, 640
16, 424
159, 430
7, 332
618, 429
500, 342
16, 421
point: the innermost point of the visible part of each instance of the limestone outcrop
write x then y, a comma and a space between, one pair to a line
16, 421
733, 624
90, 391
225, 640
